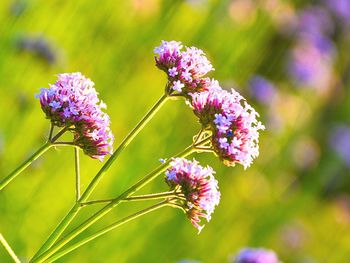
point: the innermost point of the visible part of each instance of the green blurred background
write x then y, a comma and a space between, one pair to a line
295, 197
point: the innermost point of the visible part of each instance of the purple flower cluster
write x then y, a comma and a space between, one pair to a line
185, 68
233, 122
253, 255
72, 102
199, 187
229, 121
312, 56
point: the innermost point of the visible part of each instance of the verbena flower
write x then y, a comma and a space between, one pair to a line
256, 255
73, 102
185, 68
233, 122
199, 187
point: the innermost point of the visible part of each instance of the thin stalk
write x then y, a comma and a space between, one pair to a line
134, 198
75, 209
105, 230
51, 131
77, 173
9, 249
204, 149
24, 165
175, 205
196, 138
201, 143
65, 144
59, 134
32, 158
105, 210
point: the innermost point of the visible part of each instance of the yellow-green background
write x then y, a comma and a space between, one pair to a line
275, 204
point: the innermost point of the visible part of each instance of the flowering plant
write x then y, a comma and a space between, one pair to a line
229, 129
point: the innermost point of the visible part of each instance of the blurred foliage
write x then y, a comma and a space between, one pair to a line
295, 197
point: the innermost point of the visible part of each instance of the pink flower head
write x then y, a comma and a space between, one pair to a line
185, 69
199, 187
257, 255
233, 122
73, 102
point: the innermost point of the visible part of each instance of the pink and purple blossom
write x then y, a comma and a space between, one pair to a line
185, 68
256, 255
199, 187
233, 122
73, 102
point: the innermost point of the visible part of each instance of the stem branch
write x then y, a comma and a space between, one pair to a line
9, 249
32, 158
99, 214
24, 165
59, 134
106, 230
51, 131
77, 173
135, 198
86, 194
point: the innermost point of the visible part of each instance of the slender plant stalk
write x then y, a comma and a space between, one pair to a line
99, 214
198, 136
24, 165
75, 209
51, 131
135, 198
70, 144
58, 135
77, 173
131, 190
32, 158
204, 149
9, 249
105, 230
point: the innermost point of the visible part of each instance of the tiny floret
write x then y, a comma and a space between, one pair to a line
72, 102
185, 68
233, 122
199, 187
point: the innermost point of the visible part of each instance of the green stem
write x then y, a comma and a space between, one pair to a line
122, 146
175, 205
51, 131
204, 149
24, 165
75, 209
105, 230
198, 136
32, 158
148, 178
77, 173
59, 134
9, 249
135, 198
70, 144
